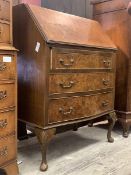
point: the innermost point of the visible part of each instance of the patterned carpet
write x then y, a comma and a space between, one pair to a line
85, 152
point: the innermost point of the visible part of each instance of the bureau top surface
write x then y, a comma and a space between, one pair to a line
62, 28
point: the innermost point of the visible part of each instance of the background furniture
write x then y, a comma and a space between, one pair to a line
115, 20
66, 72
8, 92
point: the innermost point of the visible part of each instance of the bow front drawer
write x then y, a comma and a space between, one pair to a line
71, 108
7, 67
8, 148
69, 59
7, 123
4, 33
68, 83
4, 10
7, 94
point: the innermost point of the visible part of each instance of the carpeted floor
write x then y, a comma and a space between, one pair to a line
85, 152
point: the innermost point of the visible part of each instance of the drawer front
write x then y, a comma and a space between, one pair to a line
81, 60
7, 123
7, 95
7, 149
67, 83
71, 108
4, 33
5, 10
7, 67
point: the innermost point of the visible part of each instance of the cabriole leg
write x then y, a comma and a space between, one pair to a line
111, 120
126, 127
44, 137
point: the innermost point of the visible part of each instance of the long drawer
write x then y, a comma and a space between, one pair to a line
7, 123
5, 10
71, 59
7, 94
70, 108
7, 149
67, 83
7, 67
4, 33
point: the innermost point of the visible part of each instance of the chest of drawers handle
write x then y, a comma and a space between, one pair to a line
66, 65
105, 82
2, 66
107, 63
67, 85
3, 94
65, 113
3, 123
4, 152
105, 103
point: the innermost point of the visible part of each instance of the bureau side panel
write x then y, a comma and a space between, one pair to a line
31, 67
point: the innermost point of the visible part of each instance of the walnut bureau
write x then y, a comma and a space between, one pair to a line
66, 72
115, 20
8, 92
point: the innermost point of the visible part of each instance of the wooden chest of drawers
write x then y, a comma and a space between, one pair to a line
8, 109
8, 92
66, 76
115, 20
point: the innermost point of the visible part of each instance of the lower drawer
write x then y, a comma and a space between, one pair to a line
7, 94
71, 108
7, 123
7, 149
7, 66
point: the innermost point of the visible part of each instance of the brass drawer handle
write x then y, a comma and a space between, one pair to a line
105, 103
66, 65
3, 94
2, 66
3, 123
67, 85
107, 63
105, 82
4, 152
61, 110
